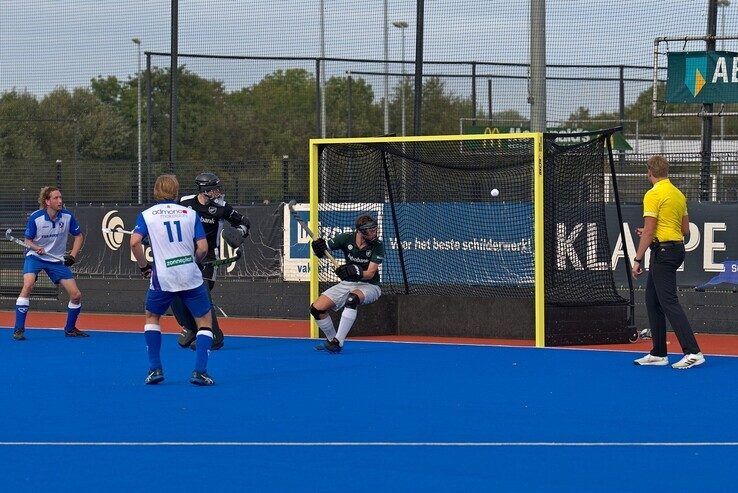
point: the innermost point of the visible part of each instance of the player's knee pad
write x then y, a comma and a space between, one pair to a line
353, 301
315, 312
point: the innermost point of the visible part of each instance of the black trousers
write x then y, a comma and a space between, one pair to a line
662, 301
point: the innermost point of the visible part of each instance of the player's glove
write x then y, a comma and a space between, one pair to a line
319, 247
146, 271
69, 259
349, 272
244, 228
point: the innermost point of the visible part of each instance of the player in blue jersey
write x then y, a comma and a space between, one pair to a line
47, 233
178, 243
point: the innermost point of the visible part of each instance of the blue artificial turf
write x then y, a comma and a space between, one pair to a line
283, 417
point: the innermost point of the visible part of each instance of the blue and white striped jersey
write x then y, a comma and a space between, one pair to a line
51, 235
172, 230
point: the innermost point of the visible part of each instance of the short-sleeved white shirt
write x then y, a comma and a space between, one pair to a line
51, 234
172, 230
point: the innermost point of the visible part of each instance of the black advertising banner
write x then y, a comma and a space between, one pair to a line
109, 254
711, 260
711, 245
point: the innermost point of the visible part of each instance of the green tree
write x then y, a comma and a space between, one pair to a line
19, 132
366, 117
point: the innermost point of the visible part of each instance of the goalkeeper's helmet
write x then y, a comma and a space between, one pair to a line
207, 181
367, 226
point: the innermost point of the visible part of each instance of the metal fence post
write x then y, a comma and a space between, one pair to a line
285, 178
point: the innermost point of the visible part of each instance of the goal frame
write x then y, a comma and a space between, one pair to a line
538, 225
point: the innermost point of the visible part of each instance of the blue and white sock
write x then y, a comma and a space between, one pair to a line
21, 310
152, 333
73, 310
204, 342
348, 317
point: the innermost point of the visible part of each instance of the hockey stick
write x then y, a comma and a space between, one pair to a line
224, 261
117, 230
215, 263
10, 237
310, 233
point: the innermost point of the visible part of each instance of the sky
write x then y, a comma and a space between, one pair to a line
50, 43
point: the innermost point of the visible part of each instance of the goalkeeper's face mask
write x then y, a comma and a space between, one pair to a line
213, 193
369, 232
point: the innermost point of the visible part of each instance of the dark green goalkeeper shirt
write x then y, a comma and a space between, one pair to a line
373, 252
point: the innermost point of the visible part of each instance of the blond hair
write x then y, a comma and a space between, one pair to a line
166, 188
44, 195
658, 166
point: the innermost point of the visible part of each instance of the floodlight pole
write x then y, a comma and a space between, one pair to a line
137, 42
173, 85
537, 94
723, 4
402, 25
386, 70
322, 70
706, 151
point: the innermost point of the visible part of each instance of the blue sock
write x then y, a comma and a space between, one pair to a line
152, 333
73, 310
21, 310
204, 341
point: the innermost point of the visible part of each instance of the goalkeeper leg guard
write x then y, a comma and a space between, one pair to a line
186, 321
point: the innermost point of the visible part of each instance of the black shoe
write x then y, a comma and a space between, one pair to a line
214, 347
201, 379
19, 334
186, 337
154, 377
332, 346
75, 332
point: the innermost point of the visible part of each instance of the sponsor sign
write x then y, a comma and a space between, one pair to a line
109, 253
498, 250
702, 77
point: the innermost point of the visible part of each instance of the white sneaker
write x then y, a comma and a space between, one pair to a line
651, 360
688, 361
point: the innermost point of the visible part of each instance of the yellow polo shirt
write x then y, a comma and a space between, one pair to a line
668, 205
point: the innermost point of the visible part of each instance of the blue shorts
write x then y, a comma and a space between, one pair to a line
196, 300
56, 271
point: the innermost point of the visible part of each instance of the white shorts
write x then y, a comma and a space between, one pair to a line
340, 292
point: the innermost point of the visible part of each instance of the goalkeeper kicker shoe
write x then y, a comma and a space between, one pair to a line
154, 377
332, 346
75, 332
216, 345
19, 334
186, 337
651, 360
201, 378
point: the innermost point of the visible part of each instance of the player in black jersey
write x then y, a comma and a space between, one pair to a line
213, 210
359, 285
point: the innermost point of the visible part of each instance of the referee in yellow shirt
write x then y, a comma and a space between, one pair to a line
665, 222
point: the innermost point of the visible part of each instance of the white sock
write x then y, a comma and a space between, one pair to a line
347, 320
326, 325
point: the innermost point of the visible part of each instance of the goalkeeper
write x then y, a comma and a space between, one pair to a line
213, 210
359, 276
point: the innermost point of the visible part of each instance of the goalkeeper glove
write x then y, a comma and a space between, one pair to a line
349, 272
319, 247
146, 271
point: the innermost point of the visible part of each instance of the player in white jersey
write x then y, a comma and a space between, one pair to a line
178, 243
46, 233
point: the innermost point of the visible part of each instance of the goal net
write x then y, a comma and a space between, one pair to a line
484, 235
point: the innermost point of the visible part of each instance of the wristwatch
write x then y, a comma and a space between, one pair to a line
639, 260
